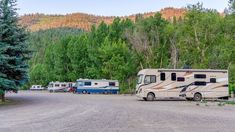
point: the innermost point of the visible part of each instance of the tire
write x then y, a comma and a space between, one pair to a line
150, 97
51, 91
189, 99
74, 91
145, 99
84, 92
197, 97
224, 98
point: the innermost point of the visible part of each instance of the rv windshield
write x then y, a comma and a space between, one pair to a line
50, 85
140, 78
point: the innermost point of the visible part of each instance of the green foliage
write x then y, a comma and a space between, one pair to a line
13, 48
203, 39
231, 88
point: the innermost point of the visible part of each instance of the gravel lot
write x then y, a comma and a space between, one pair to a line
65, 112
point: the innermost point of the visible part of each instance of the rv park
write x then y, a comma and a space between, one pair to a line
42, 111
117, 66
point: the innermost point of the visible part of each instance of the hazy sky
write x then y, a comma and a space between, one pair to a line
109, 7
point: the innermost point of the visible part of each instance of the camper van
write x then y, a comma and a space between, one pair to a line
88, 86
192, 84
37, 87
60, 86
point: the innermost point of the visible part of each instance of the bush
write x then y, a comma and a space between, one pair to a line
231, 88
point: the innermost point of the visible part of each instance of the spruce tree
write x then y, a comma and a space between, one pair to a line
14, 51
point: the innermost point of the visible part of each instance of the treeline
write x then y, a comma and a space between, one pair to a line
203, 39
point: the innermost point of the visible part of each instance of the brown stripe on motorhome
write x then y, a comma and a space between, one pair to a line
163, 86
176, 88
188, 73
220, 86
158, 88
192, 89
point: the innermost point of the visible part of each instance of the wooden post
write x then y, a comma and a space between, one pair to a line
232, 94
3, 97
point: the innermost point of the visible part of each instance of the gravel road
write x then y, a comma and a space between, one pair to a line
65, 112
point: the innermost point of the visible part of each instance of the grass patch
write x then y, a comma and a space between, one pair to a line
221, 104
230, 102
5, 103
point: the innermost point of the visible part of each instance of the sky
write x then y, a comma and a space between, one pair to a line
109, 7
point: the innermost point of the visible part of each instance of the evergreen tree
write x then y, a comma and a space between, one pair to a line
13, 49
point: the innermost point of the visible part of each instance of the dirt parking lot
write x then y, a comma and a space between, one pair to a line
65, 112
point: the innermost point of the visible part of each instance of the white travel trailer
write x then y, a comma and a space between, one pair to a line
193, 84
59, 86
37, 87
97, 86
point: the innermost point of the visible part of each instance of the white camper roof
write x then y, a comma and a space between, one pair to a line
97, 80
154, 71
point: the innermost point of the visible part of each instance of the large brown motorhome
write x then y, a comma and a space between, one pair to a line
192, 84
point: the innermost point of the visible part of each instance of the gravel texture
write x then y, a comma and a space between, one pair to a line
65, 112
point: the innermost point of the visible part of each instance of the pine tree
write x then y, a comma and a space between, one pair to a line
13, 49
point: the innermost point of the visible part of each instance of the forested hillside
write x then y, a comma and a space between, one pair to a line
202, 39
40, 43
83, 21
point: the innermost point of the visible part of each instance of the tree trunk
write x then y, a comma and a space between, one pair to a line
174, 54
2, 97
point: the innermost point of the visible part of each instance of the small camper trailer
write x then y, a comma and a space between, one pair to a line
36, 87
59, 86
192, 84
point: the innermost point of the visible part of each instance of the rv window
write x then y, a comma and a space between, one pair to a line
213, 80
173, 76
150, 79
57, 85
96, 83
163, 76
140, 78
111, 83
80, 83
38, 86
87, 83
153, 79
180, 79
63, 85
197, 83
200, 76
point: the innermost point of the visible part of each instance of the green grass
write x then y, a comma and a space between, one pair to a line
230, 102
5, 103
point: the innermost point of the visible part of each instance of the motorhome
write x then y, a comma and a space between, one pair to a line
59, 86
192, 84
37, 87
88, 86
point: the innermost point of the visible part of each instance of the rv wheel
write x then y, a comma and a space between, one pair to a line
197, 97
84, 92
150, 97
51, 91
